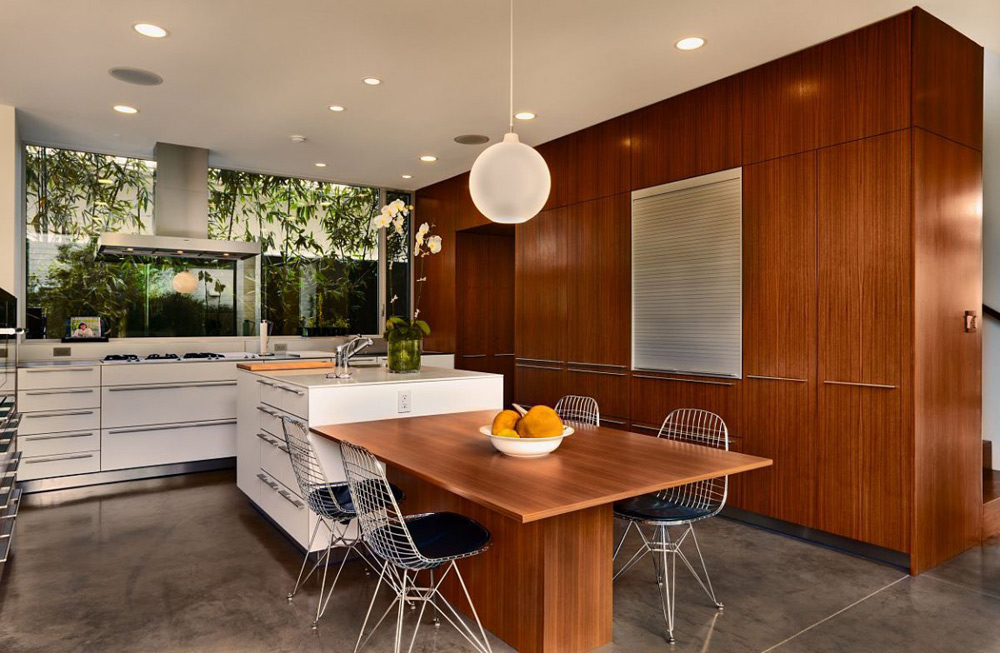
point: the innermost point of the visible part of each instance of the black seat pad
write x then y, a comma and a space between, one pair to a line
651, 507
342, 494
443, 535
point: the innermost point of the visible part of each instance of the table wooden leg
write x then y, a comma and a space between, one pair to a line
542, 586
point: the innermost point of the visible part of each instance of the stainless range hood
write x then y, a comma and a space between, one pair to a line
180, 213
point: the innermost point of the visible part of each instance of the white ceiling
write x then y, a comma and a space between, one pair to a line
243, 75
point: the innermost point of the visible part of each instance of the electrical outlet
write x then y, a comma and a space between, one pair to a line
403, 401
62, 351
281, 347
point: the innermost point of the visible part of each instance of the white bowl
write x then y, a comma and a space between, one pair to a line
525, 447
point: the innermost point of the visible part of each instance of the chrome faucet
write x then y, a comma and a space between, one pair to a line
347, 351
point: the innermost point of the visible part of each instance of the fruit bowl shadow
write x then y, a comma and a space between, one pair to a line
525, 447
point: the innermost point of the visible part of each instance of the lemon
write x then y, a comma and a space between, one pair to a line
508, 433
506, 419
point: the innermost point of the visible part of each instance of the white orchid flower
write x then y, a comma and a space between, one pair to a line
416, 314
424, 228
434, 244
399, 229
419, 240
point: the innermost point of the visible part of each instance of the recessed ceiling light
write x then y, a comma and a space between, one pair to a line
297, 138
690, 43
524, 115
336, 108
150, 30
135, 76
129, 249
428, 158
106, 182
372, 81
407, 176
320, 165
124, 108
225, 253
180, 251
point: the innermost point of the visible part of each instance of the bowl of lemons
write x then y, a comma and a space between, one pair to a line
527, 433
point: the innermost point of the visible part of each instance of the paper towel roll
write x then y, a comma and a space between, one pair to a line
263, 337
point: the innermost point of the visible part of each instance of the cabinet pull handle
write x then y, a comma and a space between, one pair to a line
265, 382
60, 369
34, 393
619, 367
539, 360
287, 497
879, 386
579, 371
39, 438
172, 386
267, 481
776, 378
62, 414
287, 389
55, 459
503, 354
675, 379
472, 355
267, 411
540, 367
172, 427
613, 421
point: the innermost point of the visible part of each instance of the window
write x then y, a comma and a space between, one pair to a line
687, 276
319, 273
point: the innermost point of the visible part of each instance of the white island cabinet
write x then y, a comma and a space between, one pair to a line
264, 472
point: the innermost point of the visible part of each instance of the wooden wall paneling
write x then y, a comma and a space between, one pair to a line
501, 316
603, 160
474, 315
560, 156
653, 396
609, 386
864, 450
853, 86
688, 135
467, 215
948, 493
779, 336
540, 287
598, 282
435, 205
947, 81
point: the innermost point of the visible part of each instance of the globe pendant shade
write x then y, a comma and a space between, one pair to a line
185, 282
510, 181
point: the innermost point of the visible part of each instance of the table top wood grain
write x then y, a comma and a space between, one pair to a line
594, 466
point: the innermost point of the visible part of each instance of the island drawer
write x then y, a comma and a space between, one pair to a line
54, 444
269, 419
284, 507
30, 401
289, 398
44, 378
84, 462
83, 419
274, 460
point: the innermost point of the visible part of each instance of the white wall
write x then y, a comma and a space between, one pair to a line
991, 251
10, 202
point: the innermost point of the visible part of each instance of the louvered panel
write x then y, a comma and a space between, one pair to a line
687, 276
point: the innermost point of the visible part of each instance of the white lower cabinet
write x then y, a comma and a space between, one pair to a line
168, 403
59, 420
84, 462
54, 444
143, 446
286, 508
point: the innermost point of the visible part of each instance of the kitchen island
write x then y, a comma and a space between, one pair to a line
313, 396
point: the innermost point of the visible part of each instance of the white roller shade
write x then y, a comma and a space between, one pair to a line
687, 284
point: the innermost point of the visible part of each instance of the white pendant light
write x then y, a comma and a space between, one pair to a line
510, 181
185, 282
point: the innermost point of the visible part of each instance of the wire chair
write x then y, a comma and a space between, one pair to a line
410, 544
582, 410
677, 506
330, 502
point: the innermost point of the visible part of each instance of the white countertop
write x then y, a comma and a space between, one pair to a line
368, 376
234, 357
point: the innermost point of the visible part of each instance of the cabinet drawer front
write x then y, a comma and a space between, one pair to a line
186, 372
50, 444
30, 401
269, 420
289, 398
45, 378
142, 446
168, 403
84, 462
58, 421
285, 508
609, 386
274, 460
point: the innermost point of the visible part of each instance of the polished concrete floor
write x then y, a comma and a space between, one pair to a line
185, 564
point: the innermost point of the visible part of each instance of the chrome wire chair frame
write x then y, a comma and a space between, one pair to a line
387, 533
677, 507
579, 409
322, 498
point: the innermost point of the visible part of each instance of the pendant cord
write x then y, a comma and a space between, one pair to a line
511, 114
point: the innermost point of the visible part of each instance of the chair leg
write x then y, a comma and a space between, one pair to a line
621, 542
300, 580
323, 601
707, 583
359, 644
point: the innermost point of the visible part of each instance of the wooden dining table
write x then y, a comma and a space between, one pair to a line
545, 582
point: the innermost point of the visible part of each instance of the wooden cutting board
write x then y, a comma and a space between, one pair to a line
277, 366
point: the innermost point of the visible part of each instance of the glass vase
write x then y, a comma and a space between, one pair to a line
404, 355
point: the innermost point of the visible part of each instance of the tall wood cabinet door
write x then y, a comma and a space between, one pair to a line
865, 448
598, 282
779, 337
537, 384
473, 297
540, 287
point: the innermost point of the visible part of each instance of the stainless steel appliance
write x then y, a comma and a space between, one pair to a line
10, 457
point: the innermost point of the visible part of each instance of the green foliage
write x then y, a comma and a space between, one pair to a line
398, 328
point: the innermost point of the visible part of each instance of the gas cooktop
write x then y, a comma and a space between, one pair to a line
167, 358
